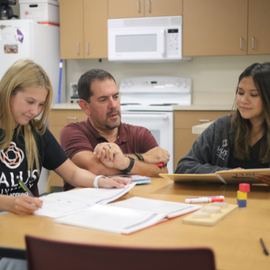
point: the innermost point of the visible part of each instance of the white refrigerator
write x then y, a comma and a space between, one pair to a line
20, 39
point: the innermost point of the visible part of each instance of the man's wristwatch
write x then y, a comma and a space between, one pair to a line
129, 168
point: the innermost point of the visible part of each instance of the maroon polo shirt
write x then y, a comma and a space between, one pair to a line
82, 136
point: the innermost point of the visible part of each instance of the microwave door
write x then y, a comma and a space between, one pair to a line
137, 44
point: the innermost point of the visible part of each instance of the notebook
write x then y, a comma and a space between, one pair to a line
63, 203
127, 216
134, 178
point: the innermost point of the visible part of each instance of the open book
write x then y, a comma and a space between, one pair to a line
225, 177
127, 216
63, 203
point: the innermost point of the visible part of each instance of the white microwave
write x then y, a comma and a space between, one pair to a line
145, 39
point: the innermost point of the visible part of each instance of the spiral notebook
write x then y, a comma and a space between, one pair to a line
127, 216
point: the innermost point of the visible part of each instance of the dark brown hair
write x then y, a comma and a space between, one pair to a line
242, 127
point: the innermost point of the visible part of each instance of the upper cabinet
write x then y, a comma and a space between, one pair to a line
219, 27
83, 29
258, 27
143, 8
214, 27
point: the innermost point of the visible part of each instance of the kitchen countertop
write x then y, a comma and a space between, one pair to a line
204, 107
200, 128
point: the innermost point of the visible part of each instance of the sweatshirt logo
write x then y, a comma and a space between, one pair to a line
225, 143
221, 152
12, 156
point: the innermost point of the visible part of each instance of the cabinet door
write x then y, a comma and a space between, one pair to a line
125, 8
95, 29
214, 27
258, 27
58, 119
155, 8
71, 29
183, 122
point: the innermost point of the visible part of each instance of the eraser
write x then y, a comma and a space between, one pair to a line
244, 187
201, 214
222, 205
212, 209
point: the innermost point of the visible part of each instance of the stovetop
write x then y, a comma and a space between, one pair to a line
154, 93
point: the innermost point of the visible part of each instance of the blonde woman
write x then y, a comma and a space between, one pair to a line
26, 144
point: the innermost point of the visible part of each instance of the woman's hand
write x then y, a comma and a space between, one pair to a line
113, 182
264, 178
24, 204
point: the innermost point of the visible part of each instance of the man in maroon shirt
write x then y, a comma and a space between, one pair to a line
103, 144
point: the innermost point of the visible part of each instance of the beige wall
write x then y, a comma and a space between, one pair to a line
214, 78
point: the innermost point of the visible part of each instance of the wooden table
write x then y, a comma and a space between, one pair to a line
234, 240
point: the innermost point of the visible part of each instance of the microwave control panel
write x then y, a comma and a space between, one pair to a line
173, 40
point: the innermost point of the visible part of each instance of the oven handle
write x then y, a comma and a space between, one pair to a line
160, 116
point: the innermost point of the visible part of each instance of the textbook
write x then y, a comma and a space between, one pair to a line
225, 177
63, 203
127, 216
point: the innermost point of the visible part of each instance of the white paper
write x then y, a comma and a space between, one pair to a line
112, 219
63, 203
171, 209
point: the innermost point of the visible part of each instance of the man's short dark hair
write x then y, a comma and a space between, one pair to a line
84, 84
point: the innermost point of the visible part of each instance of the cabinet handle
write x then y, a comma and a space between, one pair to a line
139, 6
204, 120
241, 43
72, 118
252, 43
149, 6
78, 48
87, 48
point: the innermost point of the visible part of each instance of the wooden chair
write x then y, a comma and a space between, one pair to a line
44, 254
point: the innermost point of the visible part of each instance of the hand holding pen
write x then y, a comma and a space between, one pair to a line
24, 204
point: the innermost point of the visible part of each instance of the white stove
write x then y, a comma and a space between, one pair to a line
149, 101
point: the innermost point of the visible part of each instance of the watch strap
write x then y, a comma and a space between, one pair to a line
129, 168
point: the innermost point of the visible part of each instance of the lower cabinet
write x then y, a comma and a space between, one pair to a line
57, 120
183, 122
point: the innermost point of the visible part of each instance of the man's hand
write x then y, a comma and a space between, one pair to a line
156, 155
111, 156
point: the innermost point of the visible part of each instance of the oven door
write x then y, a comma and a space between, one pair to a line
160, 124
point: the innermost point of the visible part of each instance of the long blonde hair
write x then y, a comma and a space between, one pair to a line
23, 73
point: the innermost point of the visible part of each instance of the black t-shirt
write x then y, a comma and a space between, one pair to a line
13, 163
252, 163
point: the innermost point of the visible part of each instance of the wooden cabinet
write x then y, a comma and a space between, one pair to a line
258, 27
214, 27
83, 29
143, 8
59, 119
183, 122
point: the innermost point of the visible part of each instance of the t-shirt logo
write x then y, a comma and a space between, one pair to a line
12, 156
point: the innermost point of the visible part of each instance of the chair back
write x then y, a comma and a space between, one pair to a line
44, 254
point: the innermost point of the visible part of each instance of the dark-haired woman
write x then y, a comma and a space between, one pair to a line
240, 140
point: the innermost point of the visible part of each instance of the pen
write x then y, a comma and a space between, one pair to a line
25, 188
265, 251
205, 199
